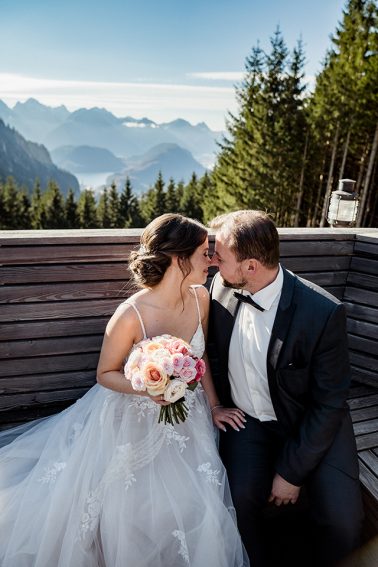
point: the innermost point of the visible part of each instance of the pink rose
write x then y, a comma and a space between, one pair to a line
177, 361
188, 362
188, 374
178, 345
201, 369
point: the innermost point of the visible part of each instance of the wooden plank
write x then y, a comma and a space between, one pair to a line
364, 413
62, 291
364, 265
364, 402
363, 361
357, 390
10, 401
48, 364
368, 479
52, 328
317, 248
370, 248
370, 460
367, 441
45, 382
50, 346
361, 312
369, 377
362, 296
317, 263
63, 254
64, 273
366, 281
363, 344
70, 236
23, 414
362, 328
364, 427
59, 310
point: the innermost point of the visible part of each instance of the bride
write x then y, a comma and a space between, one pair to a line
103, 484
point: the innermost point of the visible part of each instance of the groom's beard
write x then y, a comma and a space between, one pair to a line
235, 285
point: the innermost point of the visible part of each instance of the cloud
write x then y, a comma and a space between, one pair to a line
219, 75
159, 101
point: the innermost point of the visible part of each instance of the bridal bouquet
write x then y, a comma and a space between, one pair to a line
165, 365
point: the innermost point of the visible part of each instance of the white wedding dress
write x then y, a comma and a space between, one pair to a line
102, 484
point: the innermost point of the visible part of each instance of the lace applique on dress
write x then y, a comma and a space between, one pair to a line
211, 475
143, 406
51, 473
172, 435
183, 551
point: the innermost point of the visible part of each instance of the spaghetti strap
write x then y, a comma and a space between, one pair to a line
198, 307
139, 317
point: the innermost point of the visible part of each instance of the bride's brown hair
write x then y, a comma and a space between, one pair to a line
168, 235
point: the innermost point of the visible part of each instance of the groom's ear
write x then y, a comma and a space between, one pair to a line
252, 265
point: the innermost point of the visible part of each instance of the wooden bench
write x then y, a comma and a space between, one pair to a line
59, 288
361, 300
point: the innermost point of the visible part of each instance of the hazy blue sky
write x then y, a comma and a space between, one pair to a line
157, 58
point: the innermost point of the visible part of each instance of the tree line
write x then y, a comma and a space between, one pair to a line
115, 208
284, 149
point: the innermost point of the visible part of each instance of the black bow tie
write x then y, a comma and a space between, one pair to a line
248, 299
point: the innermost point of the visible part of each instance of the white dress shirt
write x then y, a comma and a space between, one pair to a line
247, 368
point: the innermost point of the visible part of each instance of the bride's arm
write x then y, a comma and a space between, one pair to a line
122, 331
220, 415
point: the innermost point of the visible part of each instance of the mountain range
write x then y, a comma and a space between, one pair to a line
170, 159
26, 161
89, 141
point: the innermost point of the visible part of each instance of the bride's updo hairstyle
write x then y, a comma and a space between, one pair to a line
166, 236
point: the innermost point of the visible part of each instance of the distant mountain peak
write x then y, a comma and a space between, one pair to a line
178, 123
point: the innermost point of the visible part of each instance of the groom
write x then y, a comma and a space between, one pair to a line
282, 358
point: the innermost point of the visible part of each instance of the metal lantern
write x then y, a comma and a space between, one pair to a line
343, 204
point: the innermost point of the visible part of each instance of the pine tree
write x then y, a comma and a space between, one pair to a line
87, 209
171, 200
129, 210
103, 210
54, 206
152, 203
260, 162
12, 208
114, 207
37, 208
71, 211
24, 208
191, 200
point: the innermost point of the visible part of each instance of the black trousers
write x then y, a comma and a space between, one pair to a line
334, 512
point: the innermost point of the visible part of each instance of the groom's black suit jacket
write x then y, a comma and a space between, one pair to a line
308, 374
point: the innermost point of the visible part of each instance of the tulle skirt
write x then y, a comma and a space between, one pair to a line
102, 484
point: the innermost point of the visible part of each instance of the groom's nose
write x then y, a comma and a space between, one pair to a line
214, 260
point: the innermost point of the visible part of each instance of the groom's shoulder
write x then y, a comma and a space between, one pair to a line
317, 295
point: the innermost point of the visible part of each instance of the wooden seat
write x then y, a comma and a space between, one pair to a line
59, 288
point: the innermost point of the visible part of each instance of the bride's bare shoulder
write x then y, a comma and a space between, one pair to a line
125, 314
203, 297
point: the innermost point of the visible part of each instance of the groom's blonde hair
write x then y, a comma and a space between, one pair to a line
250, 234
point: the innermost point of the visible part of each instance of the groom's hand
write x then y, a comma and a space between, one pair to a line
283, 492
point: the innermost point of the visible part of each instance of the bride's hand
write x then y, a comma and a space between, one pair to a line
159, 400
231, 416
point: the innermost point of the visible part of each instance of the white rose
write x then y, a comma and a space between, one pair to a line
174, 391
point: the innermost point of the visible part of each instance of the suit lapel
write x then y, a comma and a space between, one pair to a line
283, 319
